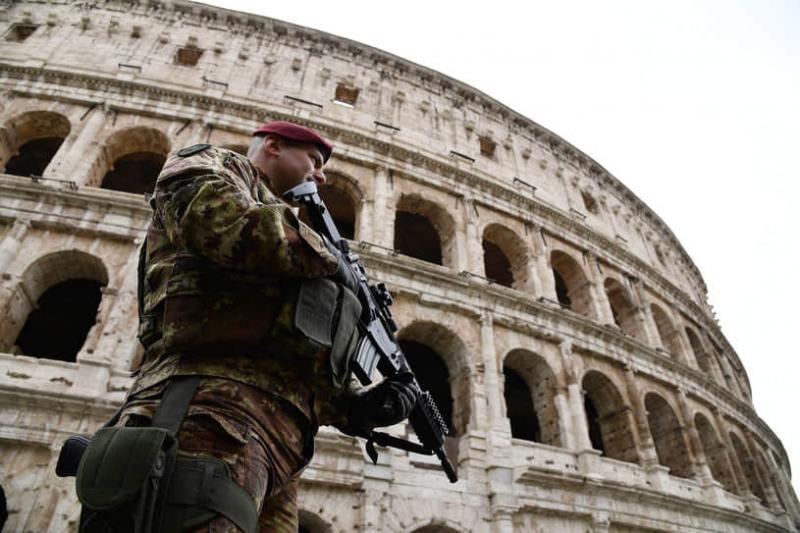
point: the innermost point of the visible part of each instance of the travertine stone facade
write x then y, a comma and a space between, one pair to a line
588, 384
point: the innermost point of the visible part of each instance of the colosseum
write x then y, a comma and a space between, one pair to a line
556, 318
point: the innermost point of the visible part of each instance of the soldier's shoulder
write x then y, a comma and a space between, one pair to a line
198, 159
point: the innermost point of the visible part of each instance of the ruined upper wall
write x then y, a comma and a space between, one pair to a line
254, 65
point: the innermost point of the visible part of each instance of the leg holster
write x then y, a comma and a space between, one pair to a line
134, 479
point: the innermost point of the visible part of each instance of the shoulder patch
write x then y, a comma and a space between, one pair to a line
194, 149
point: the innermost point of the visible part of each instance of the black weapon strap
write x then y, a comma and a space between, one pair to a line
175, 403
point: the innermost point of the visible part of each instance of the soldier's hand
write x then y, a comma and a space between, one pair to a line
389, 402
344, 274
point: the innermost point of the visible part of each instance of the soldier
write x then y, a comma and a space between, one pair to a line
226, 264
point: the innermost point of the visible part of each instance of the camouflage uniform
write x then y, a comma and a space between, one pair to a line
224, 260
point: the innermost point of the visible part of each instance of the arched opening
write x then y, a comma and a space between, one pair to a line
342, 208
748, 467
571, 282
497, 265
670, 443
134, 173
622, 308
424, 230
541, 386
715, 452
519, 407
433, 376
666, 330
703, 360
64, 314
505, 257
609, 418
52, 309
32, 141
440, 358
132, 160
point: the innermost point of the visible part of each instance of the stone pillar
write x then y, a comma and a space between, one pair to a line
76, 159
547, 281
733, 458
494, 395
764, 477
702, 472
383, 214
461, 259
710, 354
10, 245
579, 434
474, 247
644, 439
602, 307
730, 377
365, 221
679, 347
644, 315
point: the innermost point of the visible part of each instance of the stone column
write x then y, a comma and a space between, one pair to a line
461, 259
710, 354
700, 464
10, 245
365, 221
579, 435
74, 161
644, 315
763, 477
474, 247
602, 306
383, 214
494, 395
733, 458
644, 439
547, 281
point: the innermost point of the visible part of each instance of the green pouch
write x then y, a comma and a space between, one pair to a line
346, 336
119, 475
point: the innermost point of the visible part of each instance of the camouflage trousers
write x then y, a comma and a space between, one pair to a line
264, 442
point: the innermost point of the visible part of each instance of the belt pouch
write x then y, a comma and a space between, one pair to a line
119, 476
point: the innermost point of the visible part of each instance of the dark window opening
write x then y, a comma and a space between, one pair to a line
346, 95
188, 56
135, 173
20, 32
593, 421
562, 293
433, 376
342, 210
414, 235
488, 146
519, 408
589, 202
58, 327
33, 157
497, 265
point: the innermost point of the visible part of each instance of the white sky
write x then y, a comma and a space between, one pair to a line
691, 104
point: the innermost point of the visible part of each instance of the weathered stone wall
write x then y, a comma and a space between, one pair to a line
632, 411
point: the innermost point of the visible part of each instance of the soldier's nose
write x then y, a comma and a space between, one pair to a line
319, 177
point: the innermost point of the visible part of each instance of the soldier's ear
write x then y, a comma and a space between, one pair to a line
272, 145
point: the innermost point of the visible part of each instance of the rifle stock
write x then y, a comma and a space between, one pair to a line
378, 348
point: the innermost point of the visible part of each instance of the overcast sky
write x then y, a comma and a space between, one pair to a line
691, 104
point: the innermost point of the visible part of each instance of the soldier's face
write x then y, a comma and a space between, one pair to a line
292, 164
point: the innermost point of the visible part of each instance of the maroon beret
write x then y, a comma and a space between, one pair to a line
296, 132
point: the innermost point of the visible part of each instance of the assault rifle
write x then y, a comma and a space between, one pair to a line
377, 347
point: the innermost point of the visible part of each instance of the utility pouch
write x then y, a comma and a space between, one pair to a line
69, 458
119, 477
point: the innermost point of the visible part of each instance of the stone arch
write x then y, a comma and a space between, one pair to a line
31, 141
434, 525
623, 309
312, 523
715, 452
609, 418
540, 382
343, 197
425, 230
748, 465
668, 437
704, 362
572, 286
505, 256
54, 306
131, 160
439, 358
667, 332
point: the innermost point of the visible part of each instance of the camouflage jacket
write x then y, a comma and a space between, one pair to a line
223, 263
